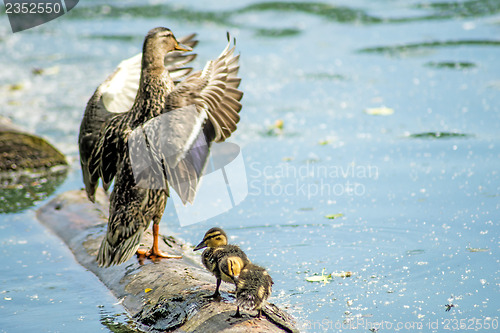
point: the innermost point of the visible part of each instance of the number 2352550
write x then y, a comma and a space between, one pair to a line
32, 8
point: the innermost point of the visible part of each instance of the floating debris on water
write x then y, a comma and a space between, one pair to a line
326, 278
414, 252
276, 129
324, 142
341, 274
476, 249
45, 71
15, 86
334, 216
320, 278
448, 307
380, 111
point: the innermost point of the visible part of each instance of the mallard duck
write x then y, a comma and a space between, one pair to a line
163, 139
221, 258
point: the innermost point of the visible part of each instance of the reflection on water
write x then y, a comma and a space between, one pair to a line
417, 48
285, 32
326, 11
117, 323
19, 192
461, 9
339, 14
440, 135
451, 64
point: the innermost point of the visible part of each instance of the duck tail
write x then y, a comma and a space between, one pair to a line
115, 254
246, 300
253, 287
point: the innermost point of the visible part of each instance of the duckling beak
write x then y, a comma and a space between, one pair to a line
200, 246
181, 47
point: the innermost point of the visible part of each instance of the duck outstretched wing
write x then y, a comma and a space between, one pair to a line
214, 91
213, 94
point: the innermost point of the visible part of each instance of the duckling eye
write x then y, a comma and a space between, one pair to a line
218, 238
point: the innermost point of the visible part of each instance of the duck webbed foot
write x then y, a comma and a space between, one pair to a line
156, 254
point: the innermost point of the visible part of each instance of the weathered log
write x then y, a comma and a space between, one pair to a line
160, 296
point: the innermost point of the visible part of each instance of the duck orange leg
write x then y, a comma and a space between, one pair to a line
155, 250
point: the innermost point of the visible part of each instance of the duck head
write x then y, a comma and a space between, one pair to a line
214, 237
158, 42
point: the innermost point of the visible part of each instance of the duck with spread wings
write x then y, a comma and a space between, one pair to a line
162, 140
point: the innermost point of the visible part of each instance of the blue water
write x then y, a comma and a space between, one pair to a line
421, 210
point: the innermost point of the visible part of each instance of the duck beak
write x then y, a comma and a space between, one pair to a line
181, 47
200, 246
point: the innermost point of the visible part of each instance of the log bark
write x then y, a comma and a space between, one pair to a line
160, 296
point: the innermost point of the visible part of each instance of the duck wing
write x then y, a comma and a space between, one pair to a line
214, 96
171, 141
114, 96
94, 118
215, 91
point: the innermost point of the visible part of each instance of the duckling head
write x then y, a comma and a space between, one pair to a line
214, 237
158, 42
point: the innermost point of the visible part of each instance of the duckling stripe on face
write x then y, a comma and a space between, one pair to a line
215, 238
212, 235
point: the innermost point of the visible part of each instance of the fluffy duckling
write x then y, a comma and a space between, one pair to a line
229, 263
253, 285
222, 259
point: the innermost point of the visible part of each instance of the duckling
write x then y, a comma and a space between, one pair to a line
223, 260
141, 189
253, 285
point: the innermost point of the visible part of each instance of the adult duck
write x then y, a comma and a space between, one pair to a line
164, 139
